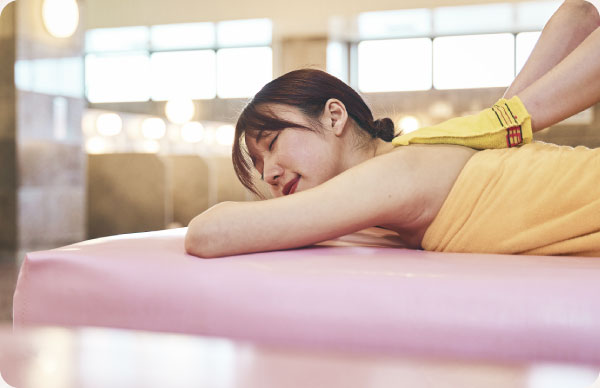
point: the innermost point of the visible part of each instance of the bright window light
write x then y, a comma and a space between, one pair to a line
250, 32
525, 43
473, 19
182, 36
54, 76
189, 74
154, 128
117, 39
337, 60
117, 78
409, 124
473, 61
242, 72
533, 15
393, 65
97, 145
180, 110
109, 124
386, 24
192, 132
24, 74
225, 134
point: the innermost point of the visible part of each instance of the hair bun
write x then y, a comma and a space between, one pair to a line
383, 129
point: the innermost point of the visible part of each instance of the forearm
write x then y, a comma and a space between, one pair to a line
570, 87
233, 228
566, 29
344, 204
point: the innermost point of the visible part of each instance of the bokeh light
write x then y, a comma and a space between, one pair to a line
109, 124
154, 128
61, 17
192, 132
96, 145
180, 111
224, 135
408, 124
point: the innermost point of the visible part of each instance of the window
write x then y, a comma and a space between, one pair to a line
117, 39
191, 60
337, 60
525, 43
534, 15
473, 46
388, 24
473, 19
54, 76
251, 32
406, 65
182, 36
473, 61
117, 77
241, 72
189, 74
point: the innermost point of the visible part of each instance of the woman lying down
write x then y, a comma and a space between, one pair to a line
470, 184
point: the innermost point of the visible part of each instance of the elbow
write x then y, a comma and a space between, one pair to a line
198, 241
585, 13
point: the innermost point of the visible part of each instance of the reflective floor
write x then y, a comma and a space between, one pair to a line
92, 357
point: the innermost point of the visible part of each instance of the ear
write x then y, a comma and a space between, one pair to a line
335, 116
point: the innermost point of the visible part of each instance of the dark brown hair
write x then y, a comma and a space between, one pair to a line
308, 90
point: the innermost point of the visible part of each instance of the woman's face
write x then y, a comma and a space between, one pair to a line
295, 159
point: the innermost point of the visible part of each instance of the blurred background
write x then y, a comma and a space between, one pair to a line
117, 116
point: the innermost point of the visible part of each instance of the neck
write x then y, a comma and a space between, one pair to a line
354, 156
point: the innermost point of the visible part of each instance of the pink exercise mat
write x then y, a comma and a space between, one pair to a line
357, 293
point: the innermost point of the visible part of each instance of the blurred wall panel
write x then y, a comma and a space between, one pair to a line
228, 187
42, 165
8, 177
127, 193
189, 180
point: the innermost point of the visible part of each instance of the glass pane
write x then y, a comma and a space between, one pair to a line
473, 19
534, 15
117, 39
394, 24
525, 43
24, 75
242, 72
337, 60
182, 36
53, 76
251, 32
185, 74
473, 61
116, 78
398, 64
71, 77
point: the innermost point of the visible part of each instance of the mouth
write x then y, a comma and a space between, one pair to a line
291, 186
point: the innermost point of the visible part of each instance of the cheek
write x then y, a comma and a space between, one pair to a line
316, 162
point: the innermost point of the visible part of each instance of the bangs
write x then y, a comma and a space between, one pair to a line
254, 121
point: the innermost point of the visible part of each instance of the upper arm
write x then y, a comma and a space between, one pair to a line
371, 193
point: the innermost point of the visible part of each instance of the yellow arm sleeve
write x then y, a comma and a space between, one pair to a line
506, 124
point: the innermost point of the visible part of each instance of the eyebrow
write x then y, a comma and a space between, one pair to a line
259, 135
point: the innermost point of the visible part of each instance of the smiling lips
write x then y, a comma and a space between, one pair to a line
291, 186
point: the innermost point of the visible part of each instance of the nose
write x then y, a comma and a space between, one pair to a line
272, 173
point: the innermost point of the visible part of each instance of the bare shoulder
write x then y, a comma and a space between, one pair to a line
435, 169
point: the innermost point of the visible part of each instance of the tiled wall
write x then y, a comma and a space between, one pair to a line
42, 164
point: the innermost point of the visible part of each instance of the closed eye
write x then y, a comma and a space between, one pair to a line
273, 142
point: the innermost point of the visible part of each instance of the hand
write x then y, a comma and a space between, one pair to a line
506, 124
